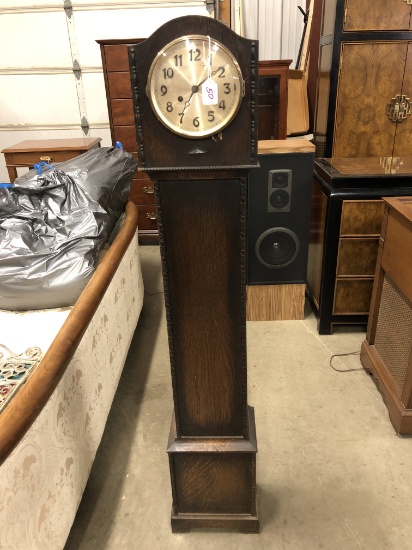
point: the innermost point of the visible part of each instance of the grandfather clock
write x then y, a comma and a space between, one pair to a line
194, 85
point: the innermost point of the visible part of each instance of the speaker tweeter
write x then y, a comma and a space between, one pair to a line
279, 190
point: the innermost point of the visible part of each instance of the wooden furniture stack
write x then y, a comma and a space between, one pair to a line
346, 217
387, 350
364, 79
362, 132
32, 151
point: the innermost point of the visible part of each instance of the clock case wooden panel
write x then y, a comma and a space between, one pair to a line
365, 60
201, 208
161, 149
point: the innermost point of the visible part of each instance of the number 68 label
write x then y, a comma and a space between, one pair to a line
209, 92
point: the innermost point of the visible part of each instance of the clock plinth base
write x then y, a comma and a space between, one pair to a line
183, 523
214, 481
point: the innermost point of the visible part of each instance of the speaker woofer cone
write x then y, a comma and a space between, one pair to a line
277, 247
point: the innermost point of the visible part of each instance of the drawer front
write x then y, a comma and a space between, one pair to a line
142, 191
352, 296
116, 57
122, 112
127, 137
147, 216
357, 256
361, 217
30, 158
119, 85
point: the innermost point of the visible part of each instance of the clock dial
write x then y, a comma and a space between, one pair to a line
195, 86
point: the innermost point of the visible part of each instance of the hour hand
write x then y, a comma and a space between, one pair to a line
195, 89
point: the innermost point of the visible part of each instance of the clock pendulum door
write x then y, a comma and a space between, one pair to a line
201, 209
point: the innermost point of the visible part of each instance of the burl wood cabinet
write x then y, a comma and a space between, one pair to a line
364, 79
387, 350
346, 218
122, 126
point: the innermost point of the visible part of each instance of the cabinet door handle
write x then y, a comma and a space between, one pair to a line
148, 190
398, 108
408, 1
151, 216
46, 159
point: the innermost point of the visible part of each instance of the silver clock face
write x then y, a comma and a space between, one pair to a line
195, 86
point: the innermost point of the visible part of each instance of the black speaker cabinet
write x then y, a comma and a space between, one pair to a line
279, 203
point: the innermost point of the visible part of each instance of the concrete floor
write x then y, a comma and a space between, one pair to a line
331, 472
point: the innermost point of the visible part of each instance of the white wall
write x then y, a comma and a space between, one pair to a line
40, 96
277, 24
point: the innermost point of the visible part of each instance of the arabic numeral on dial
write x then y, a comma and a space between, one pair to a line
181, 117
222, 105
168, 73
196, 122
227, 88
194, 55
221, 73
178, 60
169, 107
210, 116
163, 90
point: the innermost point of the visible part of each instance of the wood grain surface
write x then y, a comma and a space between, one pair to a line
203, 257
377, 15
275, 302
371, 75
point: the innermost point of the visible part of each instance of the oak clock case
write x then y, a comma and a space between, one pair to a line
198, 155
174, 126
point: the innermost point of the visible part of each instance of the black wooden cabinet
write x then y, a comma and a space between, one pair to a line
346, 217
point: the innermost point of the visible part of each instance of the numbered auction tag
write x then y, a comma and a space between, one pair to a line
209, 92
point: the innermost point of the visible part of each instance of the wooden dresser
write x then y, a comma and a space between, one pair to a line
387, 350
346, 218
122, 126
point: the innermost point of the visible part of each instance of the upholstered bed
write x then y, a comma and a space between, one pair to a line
51, 428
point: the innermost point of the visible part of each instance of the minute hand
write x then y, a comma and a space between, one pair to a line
211, 74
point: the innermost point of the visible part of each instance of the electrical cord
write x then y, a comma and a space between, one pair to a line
342, 355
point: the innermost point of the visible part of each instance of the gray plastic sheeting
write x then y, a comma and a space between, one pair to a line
53, 225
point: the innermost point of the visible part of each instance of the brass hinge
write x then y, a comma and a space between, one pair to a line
398, 108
